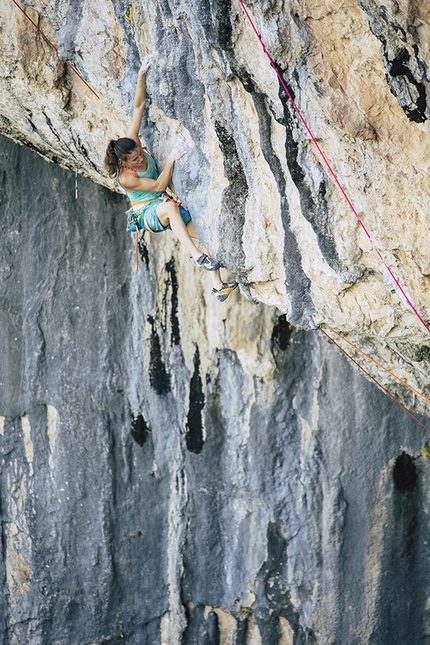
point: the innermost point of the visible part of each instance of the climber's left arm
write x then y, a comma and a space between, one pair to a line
139, 99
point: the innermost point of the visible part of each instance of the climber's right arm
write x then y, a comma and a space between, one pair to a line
139, 99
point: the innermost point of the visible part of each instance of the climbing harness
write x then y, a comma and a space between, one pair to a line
373, 379
51, 44
137, 213
402, 291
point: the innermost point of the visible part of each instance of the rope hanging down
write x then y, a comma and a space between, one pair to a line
423, 396
51, 44
374, 380
333, 174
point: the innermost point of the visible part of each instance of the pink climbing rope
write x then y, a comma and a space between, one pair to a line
333, 174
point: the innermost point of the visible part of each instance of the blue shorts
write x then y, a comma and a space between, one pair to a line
147, 218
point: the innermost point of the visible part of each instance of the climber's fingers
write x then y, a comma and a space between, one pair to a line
146, 63
179, 149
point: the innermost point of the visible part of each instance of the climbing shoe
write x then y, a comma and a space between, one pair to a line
226, 289
208, 263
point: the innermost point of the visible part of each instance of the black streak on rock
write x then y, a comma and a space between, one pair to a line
232, 164
139, 430
143, 251
51, 127
223, 23
132, 52
398, 68
242, 630
282, 333
298, 283
314, 207
158, 376
405, 473
244, 77
214, 17
202, 628
194, 435
172, 281
188, 104
232, 219
283, 94
401, 69
273, 575
401, 566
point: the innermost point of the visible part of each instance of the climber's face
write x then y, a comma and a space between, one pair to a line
135, 158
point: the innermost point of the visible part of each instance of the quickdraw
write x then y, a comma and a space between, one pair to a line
133, 219
129, 12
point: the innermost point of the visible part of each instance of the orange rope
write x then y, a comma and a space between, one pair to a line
374, 380
137, 248
51, 44
381, 366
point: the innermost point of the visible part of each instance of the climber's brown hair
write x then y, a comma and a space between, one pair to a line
117, 151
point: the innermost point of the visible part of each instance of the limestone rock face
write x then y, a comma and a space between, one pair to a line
173, 471
176, 471
253, 179
258, 190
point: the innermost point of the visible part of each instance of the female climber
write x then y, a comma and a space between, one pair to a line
152, 209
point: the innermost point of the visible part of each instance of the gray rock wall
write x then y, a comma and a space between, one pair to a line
176, 471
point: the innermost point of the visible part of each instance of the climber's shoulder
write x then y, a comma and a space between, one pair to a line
129, 178
133, 132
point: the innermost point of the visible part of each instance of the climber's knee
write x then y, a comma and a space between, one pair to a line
166, 211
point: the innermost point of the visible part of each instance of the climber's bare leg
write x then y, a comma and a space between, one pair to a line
168, 213
193, 233
215, 275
